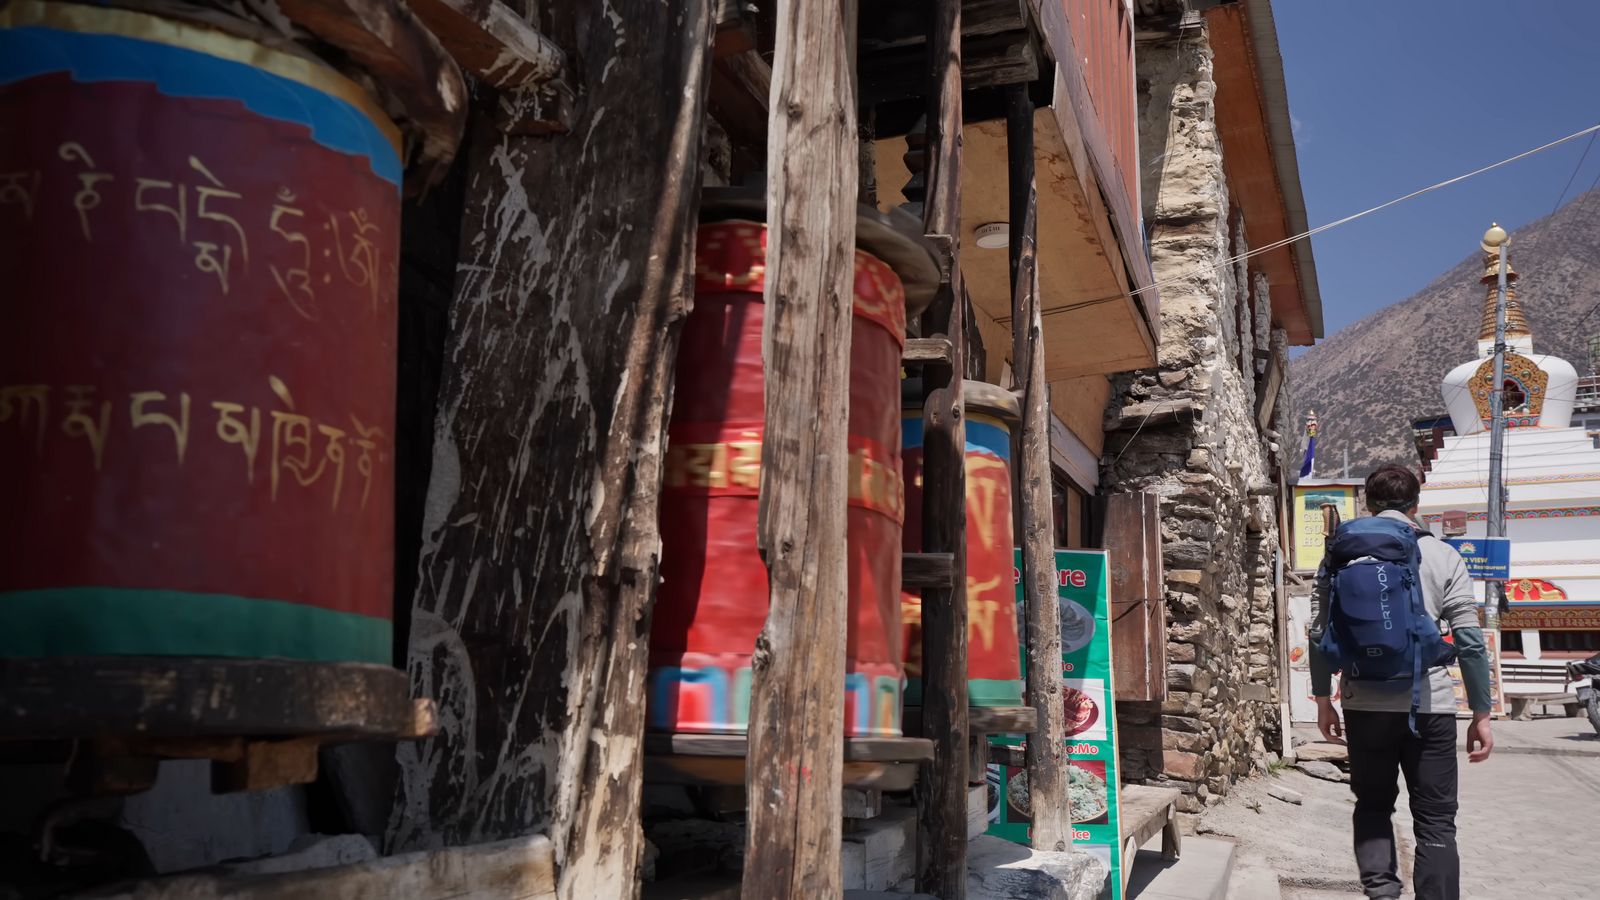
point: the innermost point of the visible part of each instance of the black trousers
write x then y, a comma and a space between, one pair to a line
1381, 747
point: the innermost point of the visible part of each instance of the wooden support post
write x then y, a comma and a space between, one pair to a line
797, 689
1046, 750
540, 541
942, 785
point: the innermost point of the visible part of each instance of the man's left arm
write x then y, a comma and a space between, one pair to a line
1460, 610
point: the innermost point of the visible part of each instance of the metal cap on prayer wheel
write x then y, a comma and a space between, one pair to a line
894, 237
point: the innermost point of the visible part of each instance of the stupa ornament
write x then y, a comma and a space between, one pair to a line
1525, 386
1538, 390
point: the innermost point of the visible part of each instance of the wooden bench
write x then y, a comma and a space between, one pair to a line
1522, 701
1144, 811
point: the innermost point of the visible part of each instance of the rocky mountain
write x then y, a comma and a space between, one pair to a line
1370, 380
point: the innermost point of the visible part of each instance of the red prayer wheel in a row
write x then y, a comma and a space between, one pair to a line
199, 246
994, 674
714, 593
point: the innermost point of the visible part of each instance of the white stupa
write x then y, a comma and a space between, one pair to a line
1552, 478
1540, 389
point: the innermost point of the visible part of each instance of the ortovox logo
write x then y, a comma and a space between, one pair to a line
1383, 598
1374, 651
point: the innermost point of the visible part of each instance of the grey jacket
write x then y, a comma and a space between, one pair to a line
1448, 594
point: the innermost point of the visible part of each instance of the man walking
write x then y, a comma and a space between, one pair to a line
1392, 729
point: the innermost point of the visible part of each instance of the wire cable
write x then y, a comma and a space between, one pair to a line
1592, 129
1575, 170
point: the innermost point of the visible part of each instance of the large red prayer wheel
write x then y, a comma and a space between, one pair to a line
994, 674
714, 593
199, 247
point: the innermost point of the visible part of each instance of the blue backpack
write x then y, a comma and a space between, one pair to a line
1378, 626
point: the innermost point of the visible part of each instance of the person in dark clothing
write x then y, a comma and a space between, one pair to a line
1377, 726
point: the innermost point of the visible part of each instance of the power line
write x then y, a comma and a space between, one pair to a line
1591, 130
1574, 174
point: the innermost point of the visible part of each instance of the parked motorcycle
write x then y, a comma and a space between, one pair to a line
1587, 674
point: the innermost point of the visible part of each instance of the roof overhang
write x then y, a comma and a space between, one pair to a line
1262, 169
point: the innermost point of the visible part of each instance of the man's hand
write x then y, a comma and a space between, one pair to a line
1480, 741
1328, 721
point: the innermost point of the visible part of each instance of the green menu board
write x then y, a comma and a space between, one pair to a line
1090, 716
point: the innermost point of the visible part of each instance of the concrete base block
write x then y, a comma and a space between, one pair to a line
1000, 870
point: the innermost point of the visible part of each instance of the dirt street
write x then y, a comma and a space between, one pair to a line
1521, 826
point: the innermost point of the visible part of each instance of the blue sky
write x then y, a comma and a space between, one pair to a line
1388, 96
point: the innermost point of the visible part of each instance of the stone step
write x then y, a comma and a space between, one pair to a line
1202, 873
1254, 883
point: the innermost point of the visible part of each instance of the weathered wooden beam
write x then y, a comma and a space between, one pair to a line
386, 39
1148, 413
1013, 757
927, 570
797, 686
927, 351
987, 61
942, 787
740, 89
497, 46
1046, 749
540, 540
492, 41
983, 720
902, 23
738, 746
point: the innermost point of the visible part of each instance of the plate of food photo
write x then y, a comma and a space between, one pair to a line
1077, 627
1082, 712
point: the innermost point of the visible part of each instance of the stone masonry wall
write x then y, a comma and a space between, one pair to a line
1187, 431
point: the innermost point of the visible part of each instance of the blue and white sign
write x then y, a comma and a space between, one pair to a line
1488, 559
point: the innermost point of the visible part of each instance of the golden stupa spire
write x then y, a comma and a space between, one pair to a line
1516, 322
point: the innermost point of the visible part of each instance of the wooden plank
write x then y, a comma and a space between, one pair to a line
1014, 757
494, 43
731, 771
737, 745
540, 541
796, 693
926, 570
987, 61
740, 88
1136, 416
385, 38
942, 786
898, 23
927, 351
77, 697
1002, 719
985, 720
1046, 751
1138, 595
519, 869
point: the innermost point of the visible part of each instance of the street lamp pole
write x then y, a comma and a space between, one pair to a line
1496, 240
